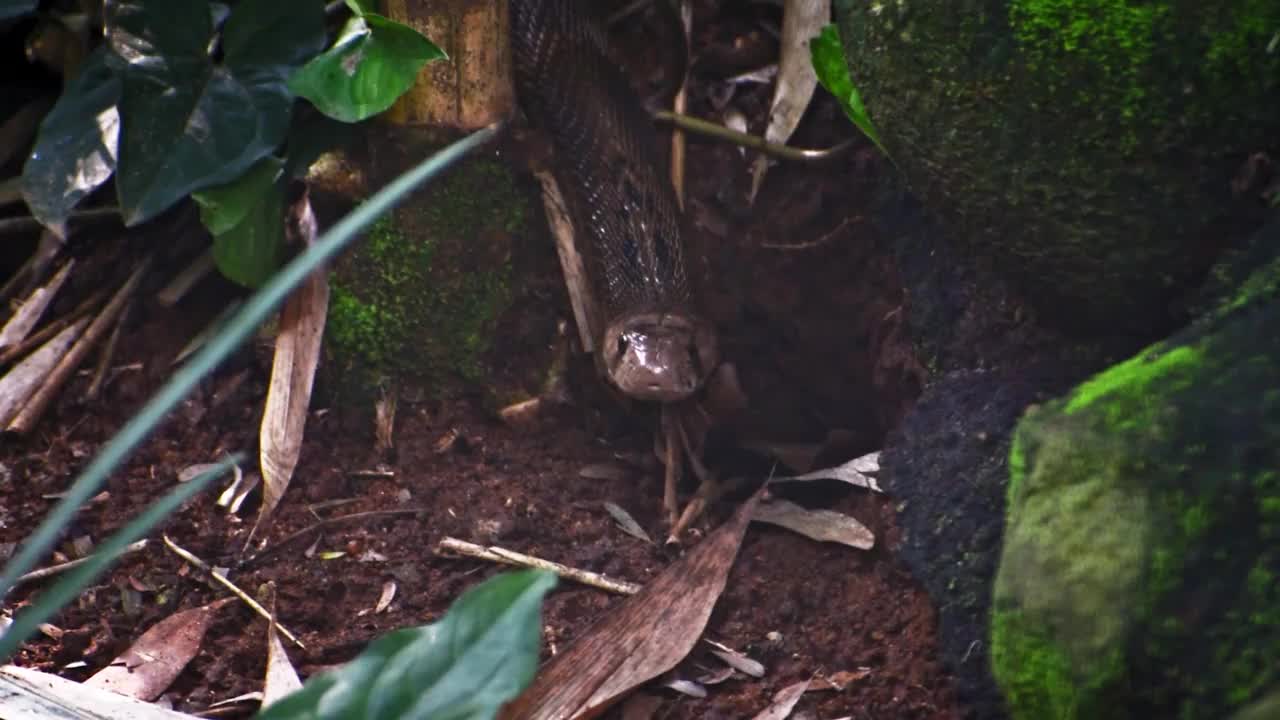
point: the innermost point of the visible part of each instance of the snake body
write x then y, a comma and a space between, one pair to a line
653, 345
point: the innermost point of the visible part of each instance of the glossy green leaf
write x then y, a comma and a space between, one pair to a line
372, 63
186, 122
466, 666
246, 219
75, 151
833, 73
17, 8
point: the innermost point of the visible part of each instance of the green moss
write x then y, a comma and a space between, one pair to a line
1116, 39
1040, 681
420, 298
1163, 370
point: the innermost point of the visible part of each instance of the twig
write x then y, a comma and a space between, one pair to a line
27, 223
185, 555
54, 327
679, 106
52, 570
754, 142
186, 279
496, 554
811, 244
631, 8
324, 523
31, 413
108, 354
581, 297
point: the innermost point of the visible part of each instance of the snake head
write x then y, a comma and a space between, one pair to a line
659, 356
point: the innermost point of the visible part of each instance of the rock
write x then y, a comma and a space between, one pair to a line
1140, 575
1086, 146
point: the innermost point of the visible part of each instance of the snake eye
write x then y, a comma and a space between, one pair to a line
623, 344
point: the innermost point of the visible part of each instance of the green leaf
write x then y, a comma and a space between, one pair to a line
186, 122
225, 206
17, 8
466, 666
372, 63
246, 219
361, 7
833, 73
75, 151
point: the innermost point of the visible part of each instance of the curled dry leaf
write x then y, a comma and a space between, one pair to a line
643, 637
686, 687
717, 676
737, 660
853, 472
388, 594
281, 679
820, 525
148, 667
293, 370
802, 20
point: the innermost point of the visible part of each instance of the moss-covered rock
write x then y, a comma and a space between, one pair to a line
1085, 144
420, 297
1140, 575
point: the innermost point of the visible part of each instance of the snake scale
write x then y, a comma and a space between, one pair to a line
654, 346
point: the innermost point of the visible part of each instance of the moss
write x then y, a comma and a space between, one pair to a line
420, 298
1141, 529
1034, 128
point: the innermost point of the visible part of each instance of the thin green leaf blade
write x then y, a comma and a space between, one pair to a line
75, 151
466, 666
372, 63
833, 74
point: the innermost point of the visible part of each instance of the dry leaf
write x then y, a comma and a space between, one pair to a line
148, 667
784, 702
820, 525
27, 694
737, 660
686, 687
802, 20
292, 372
26, 316
644, 636
281, 678
852, 472
627, 523
388, 594
20, 383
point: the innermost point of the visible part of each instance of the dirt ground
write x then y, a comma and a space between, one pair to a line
805, 291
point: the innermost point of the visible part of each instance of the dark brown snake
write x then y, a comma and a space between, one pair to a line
653, 346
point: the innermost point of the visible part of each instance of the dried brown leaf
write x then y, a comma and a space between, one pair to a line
647, 635
820, 525
150, 665
292, 372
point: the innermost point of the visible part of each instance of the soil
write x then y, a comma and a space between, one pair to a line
804, 287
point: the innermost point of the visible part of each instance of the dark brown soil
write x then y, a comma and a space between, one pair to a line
806, 293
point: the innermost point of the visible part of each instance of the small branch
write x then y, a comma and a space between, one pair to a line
108, 354
31, 413
496, 554
28, 223
54, 327
324, 523
60, 568
754, 142
185, 555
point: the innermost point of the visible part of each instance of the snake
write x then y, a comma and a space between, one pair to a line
653, 345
